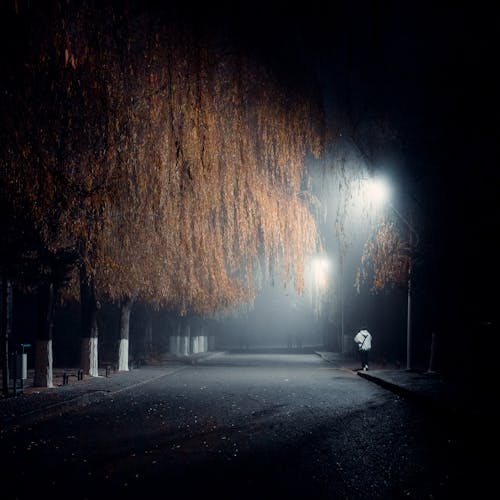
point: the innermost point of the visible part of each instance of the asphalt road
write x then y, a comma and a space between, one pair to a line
248, 426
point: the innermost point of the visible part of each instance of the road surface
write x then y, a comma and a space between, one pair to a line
244, 426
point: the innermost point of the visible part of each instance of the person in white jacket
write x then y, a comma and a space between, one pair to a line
364, 341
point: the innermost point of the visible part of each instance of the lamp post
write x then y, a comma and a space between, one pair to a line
408, 313
341, 303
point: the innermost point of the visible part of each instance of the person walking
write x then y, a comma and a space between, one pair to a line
364, 340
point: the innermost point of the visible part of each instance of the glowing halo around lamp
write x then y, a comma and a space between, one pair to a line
321, 267
377, 191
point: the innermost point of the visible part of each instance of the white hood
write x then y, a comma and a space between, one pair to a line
364, 340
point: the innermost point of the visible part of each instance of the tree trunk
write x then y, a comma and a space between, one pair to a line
89, 348
5, 327
148, 334
204, 337
175, 339
432, 357
185, 336
43, 350
211, 342
123, 351
198, 336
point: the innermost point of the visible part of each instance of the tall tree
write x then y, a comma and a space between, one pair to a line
173, 167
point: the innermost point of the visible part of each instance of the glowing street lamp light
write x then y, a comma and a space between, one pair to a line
377, 191
321, 267
318, 277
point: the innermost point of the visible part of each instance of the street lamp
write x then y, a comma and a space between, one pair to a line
369, 193
378, 192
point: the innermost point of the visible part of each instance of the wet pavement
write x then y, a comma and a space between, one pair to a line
472, 397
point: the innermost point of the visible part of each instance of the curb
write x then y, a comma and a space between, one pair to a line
418, 397
76, 401
397, 389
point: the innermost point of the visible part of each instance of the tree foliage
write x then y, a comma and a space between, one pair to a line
171, 165
386, 259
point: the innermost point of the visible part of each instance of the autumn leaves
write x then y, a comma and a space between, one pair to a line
173, 168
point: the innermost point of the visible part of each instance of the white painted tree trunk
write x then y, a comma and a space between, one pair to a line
175, 340
193, 344
202, 342
204, 345
123, 356
43, 364
184, 346
123, 353
89, 352
89, 358
185, 331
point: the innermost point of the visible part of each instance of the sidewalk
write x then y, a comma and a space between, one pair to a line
471, 396
35, 403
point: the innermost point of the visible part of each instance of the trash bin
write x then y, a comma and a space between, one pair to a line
22, 366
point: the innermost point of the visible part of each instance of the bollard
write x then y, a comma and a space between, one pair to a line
80, 374
65, 378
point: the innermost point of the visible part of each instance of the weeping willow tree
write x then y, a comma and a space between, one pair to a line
386, 259
217, 180
210, 152
172, 167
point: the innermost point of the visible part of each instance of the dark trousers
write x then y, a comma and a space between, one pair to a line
364, 358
